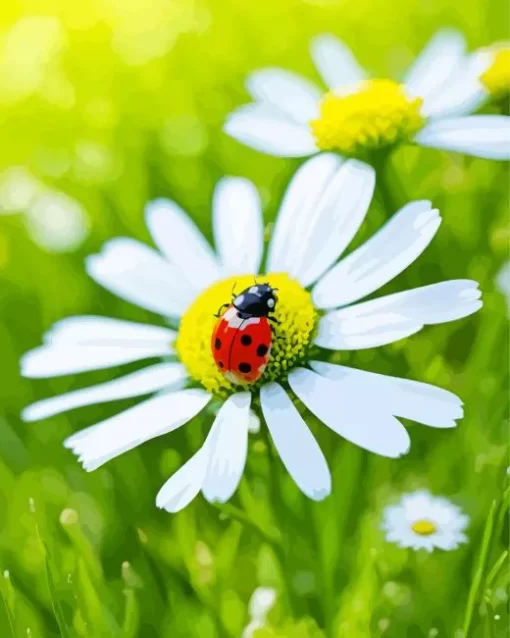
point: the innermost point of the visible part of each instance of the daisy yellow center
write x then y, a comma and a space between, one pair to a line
378, 114
292, 333
497, 77
424, 527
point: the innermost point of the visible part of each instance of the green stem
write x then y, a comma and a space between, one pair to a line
385, 176
237, 514
324, 571
8, 598
277, 507
478, 576
501, 562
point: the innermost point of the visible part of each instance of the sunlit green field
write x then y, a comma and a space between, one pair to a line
109, 104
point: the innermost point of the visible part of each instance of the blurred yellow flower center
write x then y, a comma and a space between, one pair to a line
291, 338
378, 114
497, 77
424, 527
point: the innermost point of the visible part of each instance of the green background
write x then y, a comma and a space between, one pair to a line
128, 105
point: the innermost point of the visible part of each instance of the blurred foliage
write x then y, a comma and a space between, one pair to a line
108, 104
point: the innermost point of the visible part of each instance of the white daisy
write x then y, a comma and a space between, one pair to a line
291, 117
318, 306
423, 521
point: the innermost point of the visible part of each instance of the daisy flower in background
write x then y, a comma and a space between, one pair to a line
291, 117
423, 521
496, 75
319, 305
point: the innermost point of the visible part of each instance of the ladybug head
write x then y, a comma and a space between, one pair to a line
257, 300
267, 295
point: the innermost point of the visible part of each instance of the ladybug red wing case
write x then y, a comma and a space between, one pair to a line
241, 346
251, 349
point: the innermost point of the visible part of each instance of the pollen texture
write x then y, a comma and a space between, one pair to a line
424, 528
377, 114
497, 77
291, 336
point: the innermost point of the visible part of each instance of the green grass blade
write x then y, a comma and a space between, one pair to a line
478, 576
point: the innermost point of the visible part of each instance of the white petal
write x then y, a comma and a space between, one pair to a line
335, 62
343, 407
179, 239
79, 344
463, 94
237, 224
399, 242
161, 375
340, 212
185, 484
323, 223
299, 205
387, 319
139, 275
478, 135
293, 95
412, 400
158, 415
50, 361
296, 445
267, 130
436, 64
227, 446
90, 330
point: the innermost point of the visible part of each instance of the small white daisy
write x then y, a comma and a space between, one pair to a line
291, 117
318, 307
423, 521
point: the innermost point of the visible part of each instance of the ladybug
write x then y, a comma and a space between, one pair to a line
241, 340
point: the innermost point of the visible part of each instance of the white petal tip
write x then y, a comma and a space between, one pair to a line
89, 467
230, 125
30, 414
471, 293
28, 365
214, 499
320, 494
166, 506
427, 218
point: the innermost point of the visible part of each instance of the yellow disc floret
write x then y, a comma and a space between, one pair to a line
424, 528
497, 76
291, 339
378, 113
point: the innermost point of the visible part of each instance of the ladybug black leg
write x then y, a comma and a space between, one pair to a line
218, 314
274, 320
233, 290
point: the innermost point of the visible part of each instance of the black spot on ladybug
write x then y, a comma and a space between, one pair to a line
262, 350
217, 344
221, 364
246, 340
244, 367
